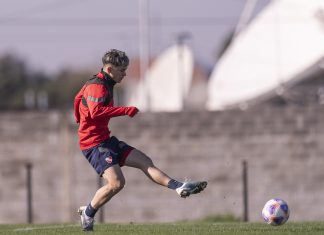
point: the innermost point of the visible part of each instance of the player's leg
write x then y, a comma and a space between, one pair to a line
115, 181
139, 160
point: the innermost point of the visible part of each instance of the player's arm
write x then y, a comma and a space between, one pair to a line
77, 101
95, 95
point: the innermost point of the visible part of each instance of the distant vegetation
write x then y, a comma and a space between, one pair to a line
21, 88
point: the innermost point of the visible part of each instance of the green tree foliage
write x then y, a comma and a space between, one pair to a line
62, 90
13, 82
20, 88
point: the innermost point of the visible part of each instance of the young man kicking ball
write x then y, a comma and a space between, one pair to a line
93, 108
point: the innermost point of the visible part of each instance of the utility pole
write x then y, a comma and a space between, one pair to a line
181, 70
29, 167
144, 52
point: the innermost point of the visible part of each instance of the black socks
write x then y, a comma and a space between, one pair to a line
90, 211
173, 184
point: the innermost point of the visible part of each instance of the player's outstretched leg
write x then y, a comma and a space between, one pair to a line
86, 221
139, 160
191, 187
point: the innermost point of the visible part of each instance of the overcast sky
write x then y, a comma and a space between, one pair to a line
53, 34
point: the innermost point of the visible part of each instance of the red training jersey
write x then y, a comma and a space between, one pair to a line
93, 108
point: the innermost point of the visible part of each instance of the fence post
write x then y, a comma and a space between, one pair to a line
101, 212
29, 167
245, 191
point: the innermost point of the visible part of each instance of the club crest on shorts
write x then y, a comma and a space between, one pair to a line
109, 159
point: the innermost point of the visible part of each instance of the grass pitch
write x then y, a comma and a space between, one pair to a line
188, 228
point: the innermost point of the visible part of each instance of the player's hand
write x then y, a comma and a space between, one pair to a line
131, 111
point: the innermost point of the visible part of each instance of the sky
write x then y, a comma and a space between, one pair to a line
50, 35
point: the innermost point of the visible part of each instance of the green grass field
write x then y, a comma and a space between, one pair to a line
218, 228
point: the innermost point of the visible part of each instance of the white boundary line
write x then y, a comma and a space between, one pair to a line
45, 227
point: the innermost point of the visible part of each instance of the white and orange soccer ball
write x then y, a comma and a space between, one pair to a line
275, 212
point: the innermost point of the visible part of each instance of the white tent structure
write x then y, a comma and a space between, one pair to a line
167, 81
285, 40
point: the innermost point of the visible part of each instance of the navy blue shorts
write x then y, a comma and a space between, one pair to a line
110, 152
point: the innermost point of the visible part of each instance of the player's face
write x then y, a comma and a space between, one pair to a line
118, 73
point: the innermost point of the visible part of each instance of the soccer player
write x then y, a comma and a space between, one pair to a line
93, 108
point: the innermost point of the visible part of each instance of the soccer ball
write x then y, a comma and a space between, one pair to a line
275, 212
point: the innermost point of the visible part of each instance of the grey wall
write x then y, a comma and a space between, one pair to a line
283, 146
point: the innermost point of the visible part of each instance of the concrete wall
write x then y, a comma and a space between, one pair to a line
284, 148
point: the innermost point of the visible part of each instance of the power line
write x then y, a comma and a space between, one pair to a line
45, 7
62, 38
117, 21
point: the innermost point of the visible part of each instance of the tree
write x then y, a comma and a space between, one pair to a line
64, 87
13, 82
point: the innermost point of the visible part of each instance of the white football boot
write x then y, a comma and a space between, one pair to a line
86, 221
191, 187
